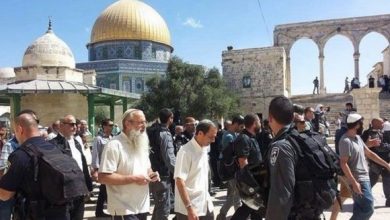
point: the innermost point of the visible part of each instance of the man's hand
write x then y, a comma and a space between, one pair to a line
154, 177
376, 142
94, 175
141, 179
357, 188
191, 214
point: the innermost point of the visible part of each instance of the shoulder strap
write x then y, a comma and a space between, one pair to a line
295, 145
34, 153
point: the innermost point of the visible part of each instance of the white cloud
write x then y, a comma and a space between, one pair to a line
191, 22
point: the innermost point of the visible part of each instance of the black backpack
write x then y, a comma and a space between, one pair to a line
316, 171
57, 175
228, 164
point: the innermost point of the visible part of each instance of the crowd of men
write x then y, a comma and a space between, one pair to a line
178, 164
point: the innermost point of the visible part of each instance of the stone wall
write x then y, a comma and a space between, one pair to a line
51, 107
366, 101
255, 75
386, 61
48, 73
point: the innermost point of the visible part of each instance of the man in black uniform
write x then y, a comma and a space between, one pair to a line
247, 150
20, 173
282, 162
163, 160
383, 151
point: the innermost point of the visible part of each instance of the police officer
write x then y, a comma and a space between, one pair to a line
383, 151
282, 162
248, 152
19, 176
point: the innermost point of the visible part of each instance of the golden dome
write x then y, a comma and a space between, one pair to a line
130, 20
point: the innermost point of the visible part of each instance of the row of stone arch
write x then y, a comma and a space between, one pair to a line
321, 31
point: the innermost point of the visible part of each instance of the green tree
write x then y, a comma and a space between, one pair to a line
191, 89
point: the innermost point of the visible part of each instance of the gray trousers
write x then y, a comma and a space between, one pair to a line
161, 192
232, 198
376, 171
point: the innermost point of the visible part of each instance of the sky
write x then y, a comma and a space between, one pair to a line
202, 29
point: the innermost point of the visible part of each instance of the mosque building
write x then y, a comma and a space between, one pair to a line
130, 42
49, 83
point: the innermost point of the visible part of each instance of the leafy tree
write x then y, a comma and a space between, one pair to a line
191, 89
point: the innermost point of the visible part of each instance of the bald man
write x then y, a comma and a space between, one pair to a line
65, 140
383, 151
19, 176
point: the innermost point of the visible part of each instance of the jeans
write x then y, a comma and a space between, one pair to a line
363, 205
6, 208
161, 194
232, 198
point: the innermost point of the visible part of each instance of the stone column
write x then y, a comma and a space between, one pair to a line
91, 113
321, 57
288, 74
366, 100
356, 56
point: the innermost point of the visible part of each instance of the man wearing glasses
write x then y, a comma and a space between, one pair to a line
98, 144
192, 198
126, 171
66, 141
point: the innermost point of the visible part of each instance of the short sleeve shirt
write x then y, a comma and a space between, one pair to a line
353, 148
118, 157
5, 152
193, 168
19, 167
246, 145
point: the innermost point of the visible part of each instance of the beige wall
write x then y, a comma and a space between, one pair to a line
51, 107
266, 68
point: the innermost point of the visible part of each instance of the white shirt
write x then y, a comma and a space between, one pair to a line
118, 157
76, 154
192, 166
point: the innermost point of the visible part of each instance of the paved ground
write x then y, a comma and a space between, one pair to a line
381, 212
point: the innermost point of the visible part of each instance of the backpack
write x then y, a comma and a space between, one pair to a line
228, 164
155, 156
57, 175
316, 172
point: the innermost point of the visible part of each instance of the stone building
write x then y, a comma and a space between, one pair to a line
130, 42
259, 74
49, 83
256, 74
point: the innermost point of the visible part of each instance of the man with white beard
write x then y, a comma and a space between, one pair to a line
125, 169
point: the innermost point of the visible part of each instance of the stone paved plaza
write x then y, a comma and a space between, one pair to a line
381, 212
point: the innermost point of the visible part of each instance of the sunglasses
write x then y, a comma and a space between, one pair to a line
70, 123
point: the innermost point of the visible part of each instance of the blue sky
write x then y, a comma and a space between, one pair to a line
202, 29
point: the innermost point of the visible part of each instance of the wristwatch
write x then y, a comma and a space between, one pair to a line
189, 205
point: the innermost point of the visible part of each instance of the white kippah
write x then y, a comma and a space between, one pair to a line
352, 118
